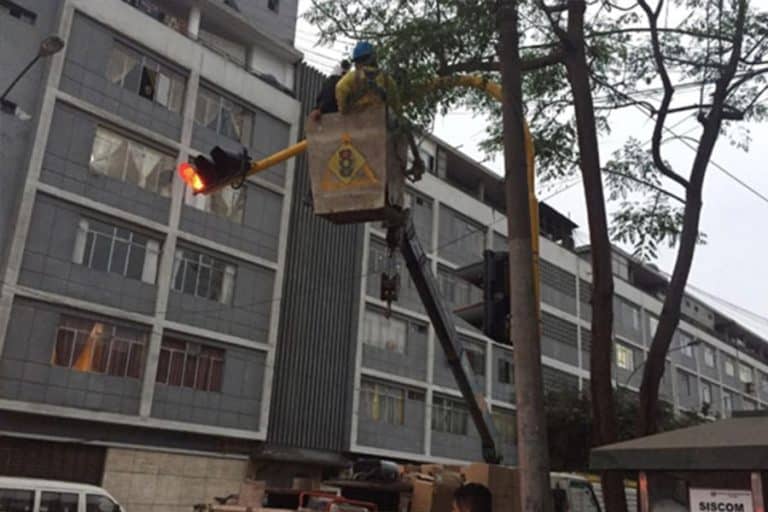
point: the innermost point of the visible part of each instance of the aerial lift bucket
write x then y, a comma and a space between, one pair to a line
356, 166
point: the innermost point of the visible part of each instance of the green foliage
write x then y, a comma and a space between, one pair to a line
421, 39
569, 424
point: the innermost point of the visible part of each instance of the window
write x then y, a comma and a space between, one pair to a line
224, 116
685, 381
764, 386
204, 276
505, 426
19, 12
109, 248
273, 5
449, 416
582, 497
384, 333
709, 356
706, 393
190, 365
379, 402
505, 371
730, 370
142, 75
727, 404
132, 162
624, 357
98, 347
14, 500
58, 502
653, 323
620, 266
745, 374
685, 344
98, 503
228, 202
476, 359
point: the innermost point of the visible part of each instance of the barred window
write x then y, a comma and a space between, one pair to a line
109, 248
123, 159
385, 333
227, 202
144, 76
380, 402
449, 415
198, 274
98, 347
190, 365
224, 116
730, 369
706, 392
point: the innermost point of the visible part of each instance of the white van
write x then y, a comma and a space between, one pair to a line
33, 495
572, 493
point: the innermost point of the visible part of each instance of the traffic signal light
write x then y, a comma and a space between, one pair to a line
205, 175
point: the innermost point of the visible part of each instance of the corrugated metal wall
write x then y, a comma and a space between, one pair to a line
314, 365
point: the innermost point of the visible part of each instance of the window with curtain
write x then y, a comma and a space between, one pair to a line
225, 116
99, 347
449, 416
125, 159
190, 365
381, 402
227, 202
385, 333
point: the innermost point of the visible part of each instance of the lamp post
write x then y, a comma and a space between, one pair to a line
48, 46
681, 347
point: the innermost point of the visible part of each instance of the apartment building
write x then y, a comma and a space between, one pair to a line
134, 314
166, 345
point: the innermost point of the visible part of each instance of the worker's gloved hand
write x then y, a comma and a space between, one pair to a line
315, 115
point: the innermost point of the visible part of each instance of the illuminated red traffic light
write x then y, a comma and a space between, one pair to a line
190, 176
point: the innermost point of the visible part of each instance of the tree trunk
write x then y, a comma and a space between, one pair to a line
603, 410
670, 312
532, 453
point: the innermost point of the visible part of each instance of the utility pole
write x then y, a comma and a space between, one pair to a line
532, 451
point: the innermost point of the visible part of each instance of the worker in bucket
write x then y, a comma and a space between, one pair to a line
472, 498
326, 100
368, 86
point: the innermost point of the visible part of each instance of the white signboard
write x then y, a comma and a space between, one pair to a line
720, 500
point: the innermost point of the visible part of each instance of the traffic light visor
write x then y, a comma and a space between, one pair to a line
191, 177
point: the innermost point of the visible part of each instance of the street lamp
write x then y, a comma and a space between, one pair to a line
681, 347
48, 46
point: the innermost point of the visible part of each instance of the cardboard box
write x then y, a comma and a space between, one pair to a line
434, 494
502, 481
251, 493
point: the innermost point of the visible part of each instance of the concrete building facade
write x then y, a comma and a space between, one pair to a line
166, 345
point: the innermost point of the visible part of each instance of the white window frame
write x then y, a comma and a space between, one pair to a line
390, 334
706, 392
729, 367
184, 258
450, 416
709, 356
625, 357
233, 198
383, 403
247, 128
192, 350
745, 374
727, 404
151, 250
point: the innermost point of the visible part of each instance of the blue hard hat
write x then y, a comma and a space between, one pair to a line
362, 49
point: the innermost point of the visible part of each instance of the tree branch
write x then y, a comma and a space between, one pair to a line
669, 91
646, 184
640, 30
530, 64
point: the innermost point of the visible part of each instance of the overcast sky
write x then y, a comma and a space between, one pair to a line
730, 271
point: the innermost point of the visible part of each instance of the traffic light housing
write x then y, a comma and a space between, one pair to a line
206, 175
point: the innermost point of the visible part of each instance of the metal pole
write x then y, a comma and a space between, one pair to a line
23, 72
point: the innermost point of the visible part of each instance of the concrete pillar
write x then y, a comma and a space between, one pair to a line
193, 22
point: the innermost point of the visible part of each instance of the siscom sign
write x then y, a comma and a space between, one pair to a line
720, 500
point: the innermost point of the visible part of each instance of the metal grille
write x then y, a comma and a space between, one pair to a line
557, 278
558, 329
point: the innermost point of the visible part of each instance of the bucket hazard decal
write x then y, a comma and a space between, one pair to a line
347, 167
